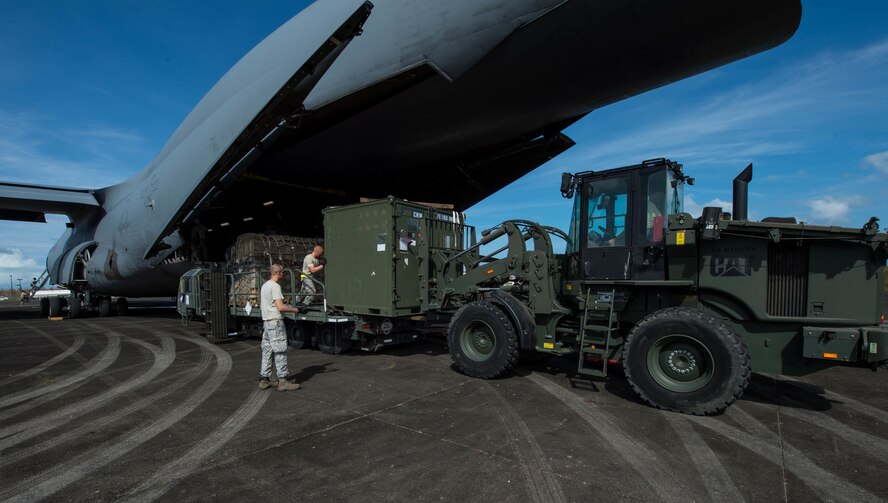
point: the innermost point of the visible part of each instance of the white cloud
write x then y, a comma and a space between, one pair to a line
34, 150
11, 258
15, 265
696, 209
878, 161
829, 210
739, 123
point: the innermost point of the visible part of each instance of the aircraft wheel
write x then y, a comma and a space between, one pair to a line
686, 360
482, 340
55, 307
122, 306
44, 306
105, 307
74, 306
331, 343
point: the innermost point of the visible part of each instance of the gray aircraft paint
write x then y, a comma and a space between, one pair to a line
479, 95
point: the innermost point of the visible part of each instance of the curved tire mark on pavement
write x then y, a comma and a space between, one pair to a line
541, 482
102, 361
78, 341
60, 476
653, 470
187, 376
164, 480
718, 483
41, 424
829, 485
851, 403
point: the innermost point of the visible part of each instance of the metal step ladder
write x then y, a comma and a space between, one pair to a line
41, 282
216, 301
596, 344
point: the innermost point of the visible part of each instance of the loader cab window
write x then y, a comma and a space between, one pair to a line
657, 205
676, 196
607, 210
664, 196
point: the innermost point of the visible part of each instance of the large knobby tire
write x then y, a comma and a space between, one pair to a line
44, 306
686, 360
482, 340
329, 343
298, 336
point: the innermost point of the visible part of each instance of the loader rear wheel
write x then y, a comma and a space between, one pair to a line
686, 360
482, 340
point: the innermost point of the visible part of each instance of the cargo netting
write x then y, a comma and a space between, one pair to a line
264, 250
252, 257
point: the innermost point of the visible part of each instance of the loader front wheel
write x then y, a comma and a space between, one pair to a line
686, 360
482, 340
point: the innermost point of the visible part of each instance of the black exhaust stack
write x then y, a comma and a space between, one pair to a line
741, 193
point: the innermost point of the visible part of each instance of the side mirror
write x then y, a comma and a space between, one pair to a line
567, 185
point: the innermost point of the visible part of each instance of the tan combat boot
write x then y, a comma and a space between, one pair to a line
285, 385
266, 383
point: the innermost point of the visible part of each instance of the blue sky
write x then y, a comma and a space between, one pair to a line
90, 92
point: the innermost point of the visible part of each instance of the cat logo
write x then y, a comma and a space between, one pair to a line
730, 266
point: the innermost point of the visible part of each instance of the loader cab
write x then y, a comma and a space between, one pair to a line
618, 226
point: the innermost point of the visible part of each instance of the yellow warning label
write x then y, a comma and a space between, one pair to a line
549, 345
680, 237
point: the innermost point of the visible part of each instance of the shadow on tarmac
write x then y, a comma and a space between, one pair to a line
308, 372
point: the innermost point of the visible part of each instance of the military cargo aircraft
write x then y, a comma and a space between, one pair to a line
431, 100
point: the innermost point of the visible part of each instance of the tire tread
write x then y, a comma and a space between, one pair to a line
737, 346
512, 350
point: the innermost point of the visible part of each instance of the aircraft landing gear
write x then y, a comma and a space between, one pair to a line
122, 306
55, 307
104, 307
74, 306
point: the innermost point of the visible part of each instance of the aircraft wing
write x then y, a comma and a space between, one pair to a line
31, 203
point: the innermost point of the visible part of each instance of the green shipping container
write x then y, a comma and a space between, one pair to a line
375, 254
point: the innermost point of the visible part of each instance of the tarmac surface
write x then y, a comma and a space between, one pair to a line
141, 408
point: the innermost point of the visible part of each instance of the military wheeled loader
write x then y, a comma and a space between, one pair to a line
689, 306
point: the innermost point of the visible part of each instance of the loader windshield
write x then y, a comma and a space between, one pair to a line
608, 212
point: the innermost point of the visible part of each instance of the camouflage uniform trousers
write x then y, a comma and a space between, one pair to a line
274, 341
307, 293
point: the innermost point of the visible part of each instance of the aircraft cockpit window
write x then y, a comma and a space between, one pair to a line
607, 213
